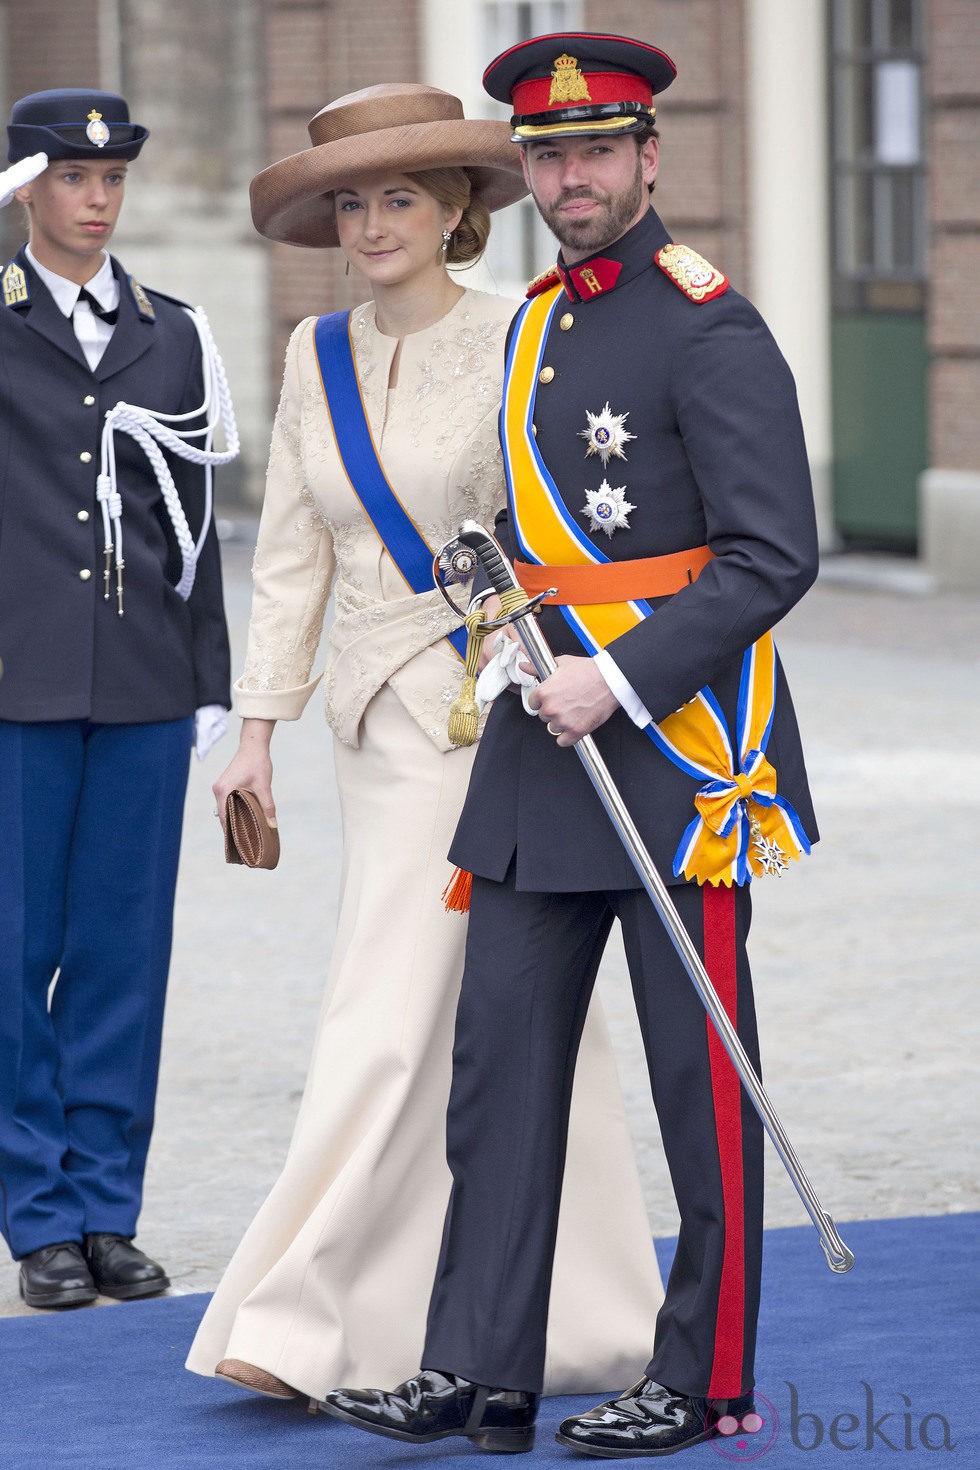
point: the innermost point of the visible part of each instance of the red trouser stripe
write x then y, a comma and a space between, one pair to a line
720, 963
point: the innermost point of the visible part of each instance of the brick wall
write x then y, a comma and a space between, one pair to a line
314, 53
953, 81
701, 187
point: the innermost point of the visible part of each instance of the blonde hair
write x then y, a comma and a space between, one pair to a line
452, 187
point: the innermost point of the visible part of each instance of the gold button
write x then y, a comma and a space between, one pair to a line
566, 321
546, 374
82, 515
88, 400
85, 457
85, 574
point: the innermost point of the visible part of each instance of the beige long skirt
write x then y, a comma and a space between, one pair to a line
331, 1282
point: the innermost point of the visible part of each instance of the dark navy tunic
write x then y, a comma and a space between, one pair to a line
719, 458
66, 653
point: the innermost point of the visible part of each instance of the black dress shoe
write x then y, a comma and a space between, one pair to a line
436, 1405
649, 1420
120, 1270
56, 1276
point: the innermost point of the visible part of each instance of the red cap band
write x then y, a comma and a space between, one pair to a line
534, 96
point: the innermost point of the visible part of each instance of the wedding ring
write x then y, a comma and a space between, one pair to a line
553, 732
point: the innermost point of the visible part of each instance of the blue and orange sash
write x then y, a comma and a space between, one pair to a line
739, 815
358, 454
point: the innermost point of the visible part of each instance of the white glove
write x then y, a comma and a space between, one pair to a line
210, 723
24, 171
503, 669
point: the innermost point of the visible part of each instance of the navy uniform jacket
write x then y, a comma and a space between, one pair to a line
66, 653
718, 458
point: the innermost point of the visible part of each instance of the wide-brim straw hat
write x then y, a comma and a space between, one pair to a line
399, 127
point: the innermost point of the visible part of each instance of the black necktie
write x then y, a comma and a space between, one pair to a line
107, 316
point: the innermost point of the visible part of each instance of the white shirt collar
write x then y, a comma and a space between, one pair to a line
103, 285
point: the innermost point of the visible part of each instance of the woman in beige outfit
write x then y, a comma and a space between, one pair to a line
331, 1282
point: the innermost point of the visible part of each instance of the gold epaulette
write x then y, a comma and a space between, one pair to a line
695, 276
541, 283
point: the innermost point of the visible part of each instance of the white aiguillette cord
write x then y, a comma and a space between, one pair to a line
151, 430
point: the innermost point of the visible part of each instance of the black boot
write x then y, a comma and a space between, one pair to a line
649, 1419
121, 1270
436, 1405
56, 1276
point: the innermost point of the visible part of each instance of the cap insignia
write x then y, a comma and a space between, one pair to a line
143, 303
567, 82
14, 285
607, 508
606, 434
97, 132
696, 277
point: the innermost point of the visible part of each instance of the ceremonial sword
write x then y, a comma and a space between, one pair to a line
502, 578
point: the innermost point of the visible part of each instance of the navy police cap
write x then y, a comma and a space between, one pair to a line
73, 122
578, 82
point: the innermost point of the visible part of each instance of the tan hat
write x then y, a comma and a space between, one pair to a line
401, 127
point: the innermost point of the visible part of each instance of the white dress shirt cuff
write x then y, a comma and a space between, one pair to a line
210, 723
623, 690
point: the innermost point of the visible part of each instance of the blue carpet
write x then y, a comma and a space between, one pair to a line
879, 1364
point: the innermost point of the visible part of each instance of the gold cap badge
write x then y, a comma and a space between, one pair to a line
567, 82
97, 131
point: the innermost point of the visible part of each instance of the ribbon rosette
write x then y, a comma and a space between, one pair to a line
743, 827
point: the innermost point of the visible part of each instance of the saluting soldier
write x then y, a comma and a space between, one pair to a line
659, 479
115, 663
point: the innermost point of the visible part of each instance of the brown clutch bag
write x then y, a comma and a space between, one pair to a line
248, 837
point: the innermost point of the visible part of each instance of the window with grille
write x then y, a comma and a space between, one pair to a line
521, 245
878, 164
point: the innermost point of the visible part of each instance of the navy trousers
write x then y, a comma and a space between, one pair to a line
531, 961
90, 817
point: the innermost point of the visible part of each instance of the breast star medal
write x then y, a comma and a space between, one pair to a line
607, 508
606, 435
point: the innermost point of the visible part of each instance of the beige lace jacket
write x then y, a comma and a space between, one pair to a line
436, 435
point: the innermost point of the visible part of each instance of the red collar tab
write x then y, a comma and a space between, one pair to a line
544, 282
591, 278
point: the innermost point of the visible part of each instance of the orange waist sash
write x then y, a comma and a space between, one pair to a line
615, 581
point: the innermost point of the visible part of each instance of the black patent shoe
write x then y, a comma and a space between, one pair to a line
56, 1276
122, 1271
436, 1405
649, 1420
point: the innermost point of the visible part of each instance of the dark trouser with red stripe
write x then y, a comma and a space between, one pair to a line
531, 961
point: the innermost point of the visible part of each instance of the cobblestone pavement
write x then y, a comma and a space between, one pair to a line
864, 955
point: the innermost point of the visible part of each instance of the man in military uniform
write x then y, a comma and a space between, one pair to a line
115, 663
658, 477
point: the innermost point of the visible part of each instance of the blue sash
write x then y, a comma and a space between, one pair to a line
399, 534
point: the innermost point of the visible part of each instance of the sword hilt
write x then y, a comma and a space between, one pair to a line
498, 571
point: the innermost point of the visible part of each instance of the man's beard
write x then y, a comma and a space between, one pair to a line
617, 213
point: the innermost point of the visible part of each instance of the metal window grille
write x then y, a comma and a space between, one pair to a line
879, 226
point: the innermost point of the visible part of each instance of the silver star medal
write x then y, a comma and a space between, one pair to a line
605, 434
607, 508
768, 854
